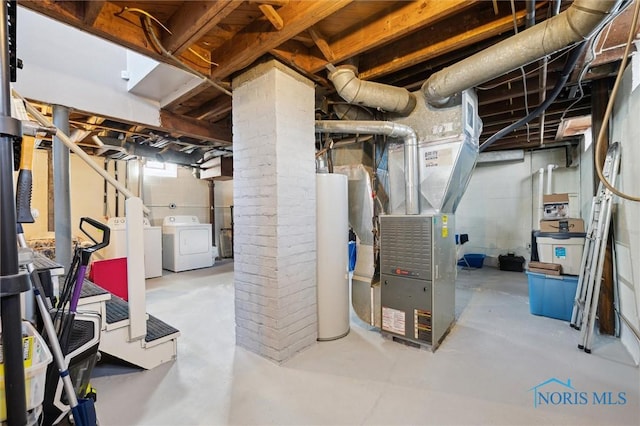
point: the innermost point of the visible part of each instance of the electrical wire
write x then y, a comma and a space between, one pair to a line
607, 114
147, 27
147, 14
564, 76
534, 70
154, 39
592, 57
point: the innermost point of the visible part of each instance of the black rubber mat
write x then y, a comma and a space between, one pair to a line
90, 289
117, 310
41, 262
157, 329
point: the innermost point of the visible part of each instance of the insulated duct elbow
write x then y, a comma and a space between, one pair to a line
394, 130
351, 112
575, 24
371, 94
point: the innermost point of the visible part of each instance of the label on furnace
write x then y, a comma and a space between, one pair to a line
393, 320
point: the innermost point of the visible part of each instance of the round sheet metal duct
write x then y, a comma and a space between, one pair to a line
371, 94
394, 130
575, 24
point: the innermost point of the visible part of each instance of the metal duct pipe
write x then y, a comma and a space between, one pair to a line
550, 169
530, 19
158, 154
168, 155
540, 195
394, 130
371, 94
573, 25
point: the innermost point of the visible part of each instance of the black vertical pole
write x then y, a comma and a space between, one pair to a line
10, 293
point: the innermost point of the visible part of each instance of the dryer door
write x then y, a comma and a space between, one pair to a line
194, 241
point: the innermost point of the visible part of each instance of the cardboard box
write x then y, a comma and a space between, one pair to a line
545, 268
562, 225
555, 206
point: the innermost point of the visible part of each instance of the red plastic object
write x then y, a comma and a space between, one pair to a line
111, 274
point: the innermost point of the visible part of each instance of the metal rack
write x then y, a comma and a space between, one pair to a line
12, 281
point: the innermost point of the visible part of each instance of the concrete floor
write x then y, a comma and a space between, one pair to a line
482, 374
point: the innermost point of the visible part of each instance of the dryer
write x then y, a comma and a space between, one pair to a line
152, 245
186, 243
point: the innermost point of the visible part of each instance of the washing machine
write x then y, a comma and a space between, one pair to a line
152, 245
186, 243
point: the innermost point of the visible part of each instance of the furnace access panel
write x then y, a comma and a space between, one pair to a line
418, 261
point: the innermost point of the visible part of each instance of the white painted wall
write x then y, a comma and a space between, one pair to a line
86, 193
498, 210
190, 195
626, 130
66, 66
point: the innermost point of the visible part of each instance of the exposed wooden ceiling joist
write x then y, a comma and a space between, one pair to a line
194, 128
91, 11
193, 20
390, 41
432, 42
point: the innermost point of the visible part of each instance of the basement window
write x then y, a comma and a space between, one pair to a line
158, 168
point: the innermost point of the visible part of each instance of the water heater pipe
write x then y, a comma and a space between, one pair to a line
550, 168
394, 130
575, 24
540, 195
371, 94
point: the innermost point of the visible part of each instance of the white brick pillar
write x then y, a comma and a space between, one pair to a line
274, 211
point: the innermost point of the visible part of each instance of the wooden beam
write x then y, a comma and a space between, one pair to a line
293, 53
213, 108
278, 3
394, 25
497, 122
389, 27
286, 54
412, 50
67, 11
489, 111
322, 44
256, 39
191, 127
272, 16
193, 20
91, 11
514, 90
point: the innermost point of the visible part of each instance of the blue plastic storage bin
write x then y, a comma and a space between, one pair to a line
552, 296
472, 260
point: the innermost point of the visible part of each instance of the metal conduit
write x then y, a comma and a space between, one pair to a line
394, 130
575, 24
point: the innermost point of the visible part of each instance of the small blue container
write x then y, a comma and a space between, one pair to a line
473, 260
352, 256
552, 296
